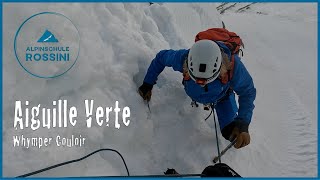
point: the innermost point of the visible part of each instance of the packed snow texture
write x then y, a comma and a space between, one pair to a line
118, 42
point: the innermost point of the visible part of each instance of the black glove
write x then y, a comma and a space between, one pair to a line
145, 91
219, 170
237, 129
170, 172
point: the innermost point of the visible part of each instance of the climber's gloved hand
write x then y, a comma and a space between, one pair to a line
237, 129
145, 91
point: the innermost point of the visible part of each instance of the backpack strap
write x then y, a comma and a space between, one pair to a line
186, 75
225, 79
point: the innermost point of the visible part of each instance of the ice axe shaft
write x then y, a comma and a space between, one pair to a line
215, 159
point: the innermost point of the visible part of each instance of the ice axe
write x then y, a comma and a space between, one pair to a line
215, 159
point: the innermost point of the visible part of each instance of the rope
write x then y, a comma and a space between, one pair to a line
168, 175
80, 159
215, 125
208, 116
73, 161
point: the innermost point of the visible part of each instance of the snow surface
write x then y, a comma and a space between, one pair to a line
118, 42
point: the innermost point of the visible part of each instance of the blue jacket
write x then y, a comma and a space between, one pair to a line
241, 82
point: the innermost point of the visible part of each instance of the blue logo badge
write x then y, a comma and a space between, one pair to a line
47, 45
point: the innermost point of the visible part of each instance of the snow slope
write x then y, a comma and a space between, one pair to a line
118, 42
284, 64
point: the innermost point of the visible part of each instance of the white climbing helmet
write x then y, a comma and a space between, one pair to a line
204, 61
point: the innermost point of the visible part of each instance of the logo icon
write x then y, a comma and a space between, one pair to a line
47, 37
47, 45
